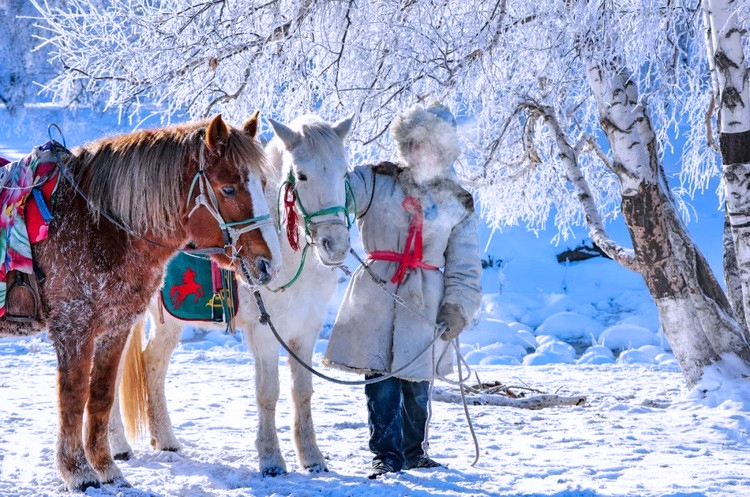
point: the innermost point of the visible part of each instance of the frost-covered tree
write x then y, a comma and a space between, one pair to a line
21, 67
726, 33
566, 106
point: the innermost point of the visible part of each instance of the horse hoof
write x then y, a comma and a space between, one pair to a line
86, 485
317, 468
121, 482
166, 447
123, 456
275, 471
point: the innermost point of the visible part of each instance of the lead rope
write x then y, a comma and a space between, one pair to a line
426, 437
460, 363
265, 318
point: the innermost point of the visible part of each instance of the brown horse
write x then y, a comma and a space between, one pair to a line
124, 207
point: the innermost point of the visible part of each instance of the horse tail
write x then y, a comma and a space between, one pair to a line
133, 391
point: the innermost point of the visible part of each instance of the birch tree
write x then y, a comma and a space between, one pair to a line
566, 106
726, 29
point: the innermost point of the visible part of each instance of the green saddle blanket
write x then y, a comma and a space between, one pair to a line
195, 289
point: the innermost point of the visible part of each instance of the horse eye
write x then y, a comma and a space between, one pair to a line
301, 176
229, 190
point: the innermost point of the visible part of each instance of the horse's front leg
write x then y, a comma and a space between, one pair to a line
308, 453
107, 354
74, 357
266, 355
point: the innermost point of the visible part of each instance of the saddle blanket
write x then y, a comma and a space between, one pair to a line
27, 190
196, 289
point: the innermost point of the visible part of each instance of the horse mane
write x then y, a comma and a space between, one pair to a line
318, 136
137, 178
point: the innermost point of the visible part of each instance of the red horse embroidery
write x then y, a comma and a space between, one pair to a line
178, 293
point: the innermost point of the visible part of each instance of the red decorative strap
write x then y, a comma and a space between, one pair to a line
216, 277
412, 256
292, 218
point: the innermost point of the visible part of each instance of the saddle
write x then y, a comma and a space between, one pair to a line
27, 191
196, 289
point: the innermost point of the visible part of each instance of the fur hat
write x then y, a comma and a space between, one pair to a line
435, 127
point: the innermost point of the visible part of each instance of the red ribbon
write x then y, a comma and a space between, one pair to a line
216, 278
292, 218
412, 256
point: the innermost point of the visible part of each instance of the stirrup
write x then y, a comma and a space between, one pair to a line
20, 283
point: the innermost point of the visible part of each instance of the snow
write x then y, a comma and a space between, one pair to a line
585, 328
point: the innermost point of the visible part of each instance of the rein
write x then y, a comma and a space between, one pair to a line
211, 205
265, 318
291, 202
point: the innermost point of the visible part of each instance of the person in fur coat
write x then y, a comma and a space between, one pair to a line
419, 230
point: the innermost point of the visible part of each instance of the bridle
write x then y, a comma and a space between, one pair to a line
207, 198
288, 189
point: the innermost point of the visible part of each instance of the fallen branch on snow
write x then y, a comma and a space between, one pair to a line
533, 403
496, 393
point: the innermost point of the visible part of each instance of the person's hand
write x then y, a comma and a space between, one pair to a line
450, 315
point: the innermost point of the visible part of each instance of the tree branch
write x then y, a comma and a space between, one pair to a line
569, 160
533, 403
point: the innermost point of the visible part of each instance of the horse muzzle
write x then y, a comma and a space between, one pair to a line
258, 272
331, 241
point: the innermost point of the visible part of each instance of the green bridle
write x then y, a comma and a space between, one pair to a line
307, 217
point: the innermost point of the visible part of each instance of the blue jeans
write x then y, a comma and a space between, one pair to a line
397, 416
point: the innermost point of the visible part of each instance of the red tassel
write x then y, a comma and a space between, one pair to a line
292, 218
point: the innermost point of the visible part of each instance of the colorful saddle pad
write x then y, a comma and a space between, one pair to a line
27, 189
195, 289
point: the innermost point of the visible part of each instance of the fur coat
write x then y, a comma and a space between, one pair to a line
374, 334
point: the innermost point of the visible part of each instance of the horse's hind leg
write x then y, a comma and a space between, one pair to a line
266, 357
156, 355
74, 354
101, 396
118, 441
308, 453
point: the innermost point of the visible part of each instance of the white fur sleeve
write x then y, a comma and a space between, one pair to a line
463, 268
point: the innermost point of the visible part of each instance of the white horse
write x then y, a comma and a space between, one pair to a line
311, 162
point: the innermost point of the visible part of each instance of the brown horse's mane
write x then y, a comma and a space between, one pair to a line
137, 178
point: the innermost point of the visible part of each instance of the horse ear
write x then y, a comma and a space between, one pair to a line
343, 126
287, 135
251, 125
216, 135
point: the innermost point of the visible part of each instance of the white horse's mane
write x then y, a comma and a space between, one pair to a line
318, 140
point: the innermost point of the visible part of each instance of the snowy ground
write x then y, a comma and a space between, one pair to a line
586, 328
637, 435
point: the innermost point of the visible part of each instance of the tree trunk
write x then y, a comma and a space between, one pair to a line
695, 314
732, 92
732, 277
